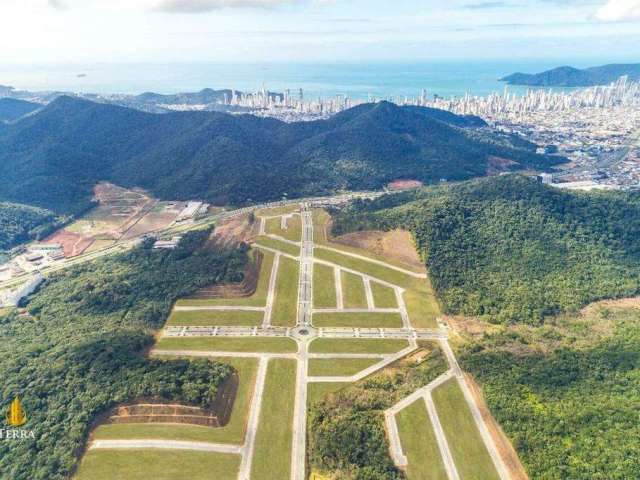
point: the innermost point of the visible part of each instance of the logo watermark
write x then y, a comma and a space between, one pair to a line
16, 417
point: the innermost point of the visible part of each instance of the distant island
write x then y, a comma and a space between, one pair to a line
574, 77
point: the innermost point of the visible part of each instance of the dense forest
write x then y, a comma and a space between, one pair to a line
511, 249
77, 351
347, 435
54, 158
12, 109
567, 393
21, 223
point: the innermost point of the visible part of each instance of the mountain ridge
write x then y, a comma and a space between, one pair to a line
567, 76
54, 158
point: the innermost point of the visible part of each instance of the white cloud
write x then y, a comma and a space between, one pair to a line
197, 6
619, 10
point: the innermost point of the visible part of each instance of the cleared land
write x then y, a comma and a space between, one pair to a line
278, 245
319, 390
259, 297
232, 432
421, 302
272, 456
469, 452
353, 293
229, 344
293, 231
358, 320
213, 318
357, 345
324, 286
285, 305
324, 367
320, 225
383, 296
157, 465
419, 443
277, 211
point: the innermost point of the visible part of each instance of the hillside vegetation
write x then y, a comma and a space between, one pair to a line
575, 77
54, 158
12, 109
78, 352
567, 394
21, 223
511, 249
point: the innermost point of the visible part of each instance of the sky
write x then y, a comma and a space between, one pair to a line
227, 31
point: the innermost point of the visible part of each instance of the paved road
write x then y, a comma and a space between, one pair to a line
165, 445
305, 291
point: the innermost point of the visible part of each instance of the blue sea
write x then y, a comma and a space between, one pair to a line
356, 80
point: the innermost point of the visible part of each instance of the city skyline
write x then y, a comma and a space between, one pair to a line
59, 31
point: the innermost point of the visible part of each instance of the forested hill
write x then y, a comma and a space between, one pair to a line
512, 249
12, 109
54, 158
574, 77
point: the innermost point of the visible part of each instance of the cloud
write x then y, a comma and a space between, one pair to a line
486, 5
57, 4
619, 11
199, 6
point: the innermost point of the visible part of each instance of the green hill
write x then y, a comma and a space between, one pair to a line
574, 77
512, 249
54, 158
12, 109
20, 223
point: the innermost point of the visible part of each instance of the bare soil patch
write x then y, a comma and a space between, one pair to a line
503, 445
404, 184
234, 231
396, 244
72, 243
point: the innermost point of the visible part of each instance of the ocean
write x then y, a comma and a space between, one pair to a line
356, 80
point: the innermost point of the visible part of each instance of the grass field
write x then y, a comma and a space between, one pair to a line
324, 286
229, 344
272, 457
357, 345
357, 320
419, 443
285, 305
422, 305
353, 294
293, 231
276, 211
258, 299
469, 452
232, 432
383, 296
373, 269
278, 245
320, 220
213, 318
316, 391
157, 465
337, 367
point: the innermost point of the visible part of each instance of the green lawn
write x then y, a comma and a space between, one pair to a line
213, 318
469, 452
324, 286
229, 344
316, 391
293, 231
422, 305
353, 294
320, 220
357, 320
272, 457
278, 245
419, 443
276, 211
339, 367
232, 432
373, 269
258, 299
285, 305
157, 465
383, 296
357, 345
